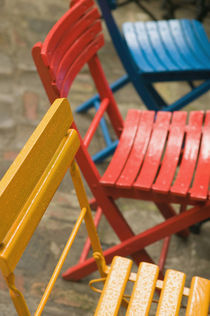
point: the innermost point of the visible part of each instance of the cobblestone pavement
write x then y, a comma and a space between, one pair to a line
22, 104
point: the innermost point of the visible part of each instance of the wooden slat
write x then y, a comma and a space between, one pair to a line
198, 302
194, 43
135, 50
172, 153
188, 163
182, 44
124, 148
136, 157
89, 51
201, 36
154, 152
31, 163
146, 47
114, 287
201, 181
143, 291
170, 44
61, 26
71, 55
171, 294
70, 35
158, 47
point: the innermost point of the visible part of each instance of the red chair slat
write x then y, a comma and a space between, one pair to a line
69, 37
124, 148
188, 163
138, 151
82, 59
201, 181
172, 153
76, 49
154, 152
62, 26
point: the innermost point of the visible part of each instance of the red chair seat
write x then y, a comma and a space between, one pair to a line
162, 153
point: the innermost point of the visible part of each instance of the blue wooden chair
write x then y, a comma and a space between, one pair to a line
158, 51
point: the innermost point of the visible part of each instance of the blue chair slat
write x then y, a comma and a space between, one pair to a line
171, 46
201, 36
183, 46
194, 44
136, 52
158, 46
146, 46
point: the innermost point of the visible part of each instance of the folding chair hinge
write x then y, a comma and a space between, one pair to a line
99, 258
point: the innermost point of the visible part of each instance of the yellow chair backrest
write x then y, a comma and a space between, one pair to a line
28, 187
25, 182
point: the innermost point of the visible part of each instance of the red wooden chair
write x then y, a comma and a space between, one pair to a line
163, 157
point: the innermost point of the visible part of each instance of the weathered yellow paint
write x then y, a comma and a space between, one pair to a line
143, 290
171, 294
114, 287
198, 302
28, 167
28, 187
23, 227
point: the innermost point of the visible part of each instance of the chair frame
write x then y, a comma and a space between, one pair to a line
18, 227
105, 198
142, 84
25, 205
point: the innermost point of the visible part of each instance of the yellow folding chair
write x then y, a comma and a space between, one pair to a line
25, 192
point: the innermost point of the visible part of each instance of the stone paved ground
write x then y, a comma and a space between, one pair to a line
22, 104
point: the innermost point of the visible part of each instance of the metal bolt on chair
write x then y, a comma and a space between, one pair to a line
22, 206
162, 157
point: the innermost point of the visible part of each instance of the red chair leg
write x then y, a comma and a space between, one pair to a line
129, 246
93, 204
167, 211
164, 252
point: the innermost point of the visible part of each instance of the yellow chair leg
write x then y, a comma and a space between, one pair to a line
17, 297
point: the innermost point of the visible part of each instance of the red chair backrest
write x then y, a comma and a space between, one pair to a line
72, 42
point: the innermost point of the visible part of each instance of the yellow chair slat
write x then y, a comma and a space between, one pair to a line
198, 302
114, 287
48, 135
171, 294
143, 290
33, 178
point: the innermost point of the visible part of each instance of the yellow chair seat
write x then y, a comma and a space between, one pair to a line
145, 283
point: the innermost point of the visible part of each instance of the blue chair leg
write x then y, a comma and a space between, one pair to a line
106, 152
189, 97
118, 84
